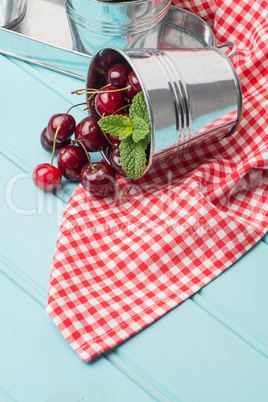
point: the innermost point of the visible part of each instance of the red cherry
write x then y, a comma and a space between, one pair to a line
46, 176
115, 161
117, 74
114, 140
97, 76
70, 160
108, 58
100, 183
90, 135
108, 102
67, 126
47, 142
135, 86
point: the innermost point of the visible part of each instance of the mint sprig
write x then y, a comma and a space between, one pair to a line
118, 125
133, 158
139, 108
135, 135
140, 129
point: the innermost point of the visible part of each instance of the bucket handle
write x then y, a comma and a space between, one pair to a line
229, 44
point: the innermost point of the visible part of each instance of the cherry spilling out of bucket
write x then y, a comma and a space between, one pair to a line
117, 125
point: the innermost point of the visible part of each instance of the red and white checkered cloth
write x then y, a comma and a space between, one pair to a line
122, 263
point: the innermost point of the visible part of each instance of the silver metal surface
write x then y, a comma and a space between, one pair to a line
46, 21
180, 28
41, 64
96, 23
12, 13
193, 95
228, 44
39, 53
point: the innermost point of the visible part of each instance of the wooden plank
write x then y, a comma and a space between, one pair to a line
32, 102
30, 221
188, 355
213, 346
34, 214
239, 297
37, 365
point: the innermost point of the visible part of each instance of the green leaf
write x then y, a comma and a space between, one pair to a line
141, 129
135, 135
118, 125
139, 108
133, 158
147, 139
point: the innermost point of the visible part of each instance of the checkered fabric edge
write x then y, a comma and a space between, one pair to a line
121, 263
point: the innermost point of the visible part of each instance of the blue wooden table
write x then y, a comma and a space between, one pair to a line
213, 347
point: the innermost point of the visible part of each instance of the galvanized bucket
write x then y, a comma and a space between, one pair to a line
193, 95
12, 13
95, 23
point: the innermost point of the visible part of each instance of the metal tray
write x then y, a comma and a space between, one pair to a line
181, 29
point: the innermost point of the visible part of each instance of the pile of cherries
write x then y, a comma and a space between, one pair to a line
73, 158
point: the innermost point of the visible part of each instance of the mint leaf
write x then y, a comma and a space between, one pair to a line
141, 129
139, 108
135, 135
133, 158
147, 139
118, 125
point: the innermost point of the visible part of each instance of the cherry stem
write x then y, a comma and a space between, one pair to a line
89, 99
87, 154
78, 91
123, 107
54, 144
78, 104
97, 91
108, 139
125, 193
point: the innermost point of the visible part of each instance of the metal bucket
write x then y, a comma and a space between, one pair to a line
12, 13
95, 23
193, 95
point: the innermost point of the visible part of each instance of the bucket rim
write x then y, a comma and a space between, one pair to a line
128, 26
